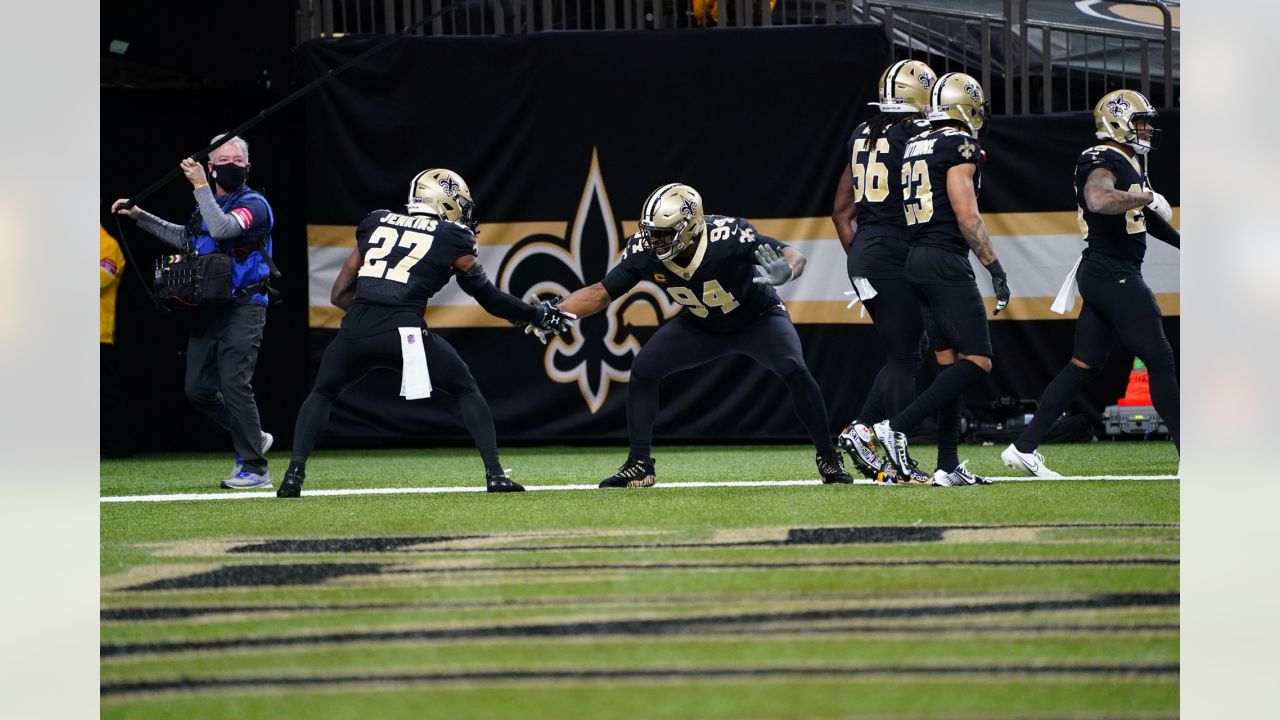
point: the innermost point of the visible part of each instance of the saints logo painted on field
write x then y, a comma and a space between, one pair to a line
598, 350
974, 92
967, 150
1118, 106
450, 186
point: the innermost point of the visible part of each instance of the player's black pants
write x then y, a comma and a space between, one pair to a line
770, 340
1117, 309
955, 319
896, 314
349, 358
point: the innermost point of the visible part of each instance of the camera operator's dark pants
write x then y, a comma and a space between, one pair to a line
221, 355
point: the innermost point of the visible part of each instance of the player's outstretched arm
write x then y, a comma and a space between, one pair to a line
1102, 197
586, 301
473, 281
344, 286
843, 209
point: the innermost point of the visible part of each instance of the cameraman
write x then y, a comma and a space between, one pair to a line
230, 218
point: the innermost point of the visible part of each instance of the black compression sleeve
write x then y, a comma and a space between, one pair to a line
1161, 230
495, 302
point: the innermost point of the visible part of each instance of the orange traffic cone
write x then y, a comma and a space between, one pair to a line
1139, 391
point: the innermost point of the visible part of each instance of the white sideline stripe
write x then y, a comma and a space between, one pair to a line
234, 495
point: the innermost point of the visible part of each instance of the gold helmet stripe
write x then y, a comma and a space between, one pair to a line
656, 199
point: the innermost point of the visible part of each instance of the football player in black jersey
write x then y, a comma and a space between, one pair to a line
1117, 209
723, 272
869, 222
399, 262
940, 181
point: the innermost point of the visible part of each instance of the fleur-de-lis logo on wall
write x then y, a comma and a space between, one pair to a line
599, 349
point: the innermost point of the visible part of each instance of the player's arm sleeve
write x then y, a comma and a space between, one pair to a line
167, 232
1161, 230
619, 280
474, 282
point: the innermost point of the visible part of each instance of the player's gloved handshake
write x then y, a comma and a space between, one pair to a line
550, 320
776, 268
999, 283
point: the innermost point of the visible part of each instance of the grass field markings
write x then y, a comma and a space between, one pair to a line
133, 613
320, 573
335, 492
744, 537
143, 574
700, 673
228, 576
658, 626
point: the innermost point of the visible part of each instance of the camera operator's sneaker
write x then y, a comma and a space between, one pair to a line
501, 483
266, 439
859, 442
291, 485
248, 480
959, 477
831, 468
895, 448
634, 473
1031, 463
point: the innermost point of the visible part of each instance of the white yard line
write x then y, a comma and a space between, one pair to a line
244, 495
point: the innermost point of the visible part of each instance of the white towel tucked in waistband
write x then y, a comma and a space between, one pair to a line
1066, 299
415, 381
862, 290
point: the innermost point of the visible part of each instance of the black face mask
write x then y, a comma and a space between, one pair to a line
229, 177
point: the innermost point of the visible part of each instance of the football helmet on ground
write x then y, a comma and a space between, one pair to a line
672, 220
1114, 117
442, 193
957, 96
904, 87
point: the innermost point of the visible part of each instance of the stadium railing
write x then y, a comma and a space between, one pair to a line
1039, 65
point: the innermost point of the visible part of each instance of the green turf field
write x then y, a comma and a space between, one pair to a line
1016, 600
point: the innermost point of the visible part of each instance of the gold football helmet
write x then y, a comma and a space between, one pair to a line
957, 96
442, 193
905, 86
671, 220
1115, 114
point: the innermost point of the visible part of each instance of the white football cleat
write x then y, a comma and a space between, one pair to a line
959, 477
1031, 463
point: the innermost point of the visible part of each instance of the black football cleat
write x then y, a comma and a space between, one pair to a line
634, 473
291, 486
859, 441
501, 483
831, 468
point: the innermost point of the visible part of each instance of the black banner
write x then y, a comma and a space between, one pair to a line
562, 135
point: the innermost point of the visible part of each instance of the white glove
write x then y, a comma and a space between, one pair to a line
1161, 206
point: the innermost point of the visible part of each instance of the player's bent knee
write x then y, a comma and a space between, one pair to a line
1081, 364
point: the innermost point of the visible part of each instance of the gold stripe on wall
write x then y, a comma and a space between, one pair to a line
1020, 308
784, 229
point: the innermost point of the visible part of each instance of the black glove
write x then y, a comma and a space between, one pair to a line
550, 320
1000, 283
